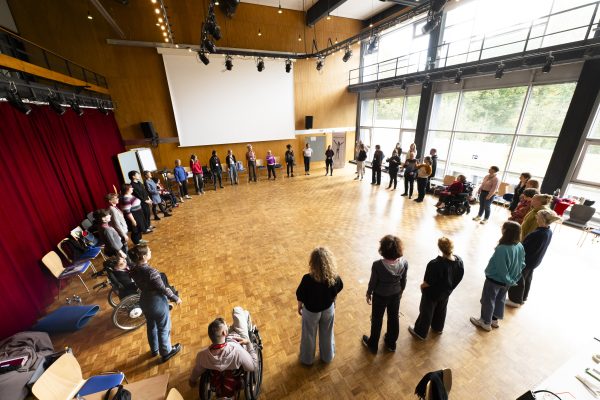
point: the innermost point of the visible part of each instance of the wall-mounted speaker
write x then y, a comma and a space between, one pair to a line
308, 122
148, 129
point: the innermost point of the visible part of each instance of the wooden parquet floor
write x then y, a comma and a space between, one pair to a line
248, 245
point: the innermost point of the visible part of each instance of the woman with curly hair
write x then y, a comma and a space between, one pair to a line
316, 296
388, 280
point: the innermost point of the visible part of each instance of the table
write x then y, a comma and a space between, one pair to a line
154, 388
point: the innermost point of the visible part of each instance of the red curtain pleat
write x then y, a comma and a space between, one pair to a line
54, 170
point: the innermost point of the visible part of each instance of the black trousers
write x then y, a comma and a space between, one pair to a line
162, 209
421, 187
379, 306
271, 169
217, 175
432, 313
376, 175
393, 178
518, 294
136, 231
408, 186
290, 168
146, 211
183, 188
306, 164
328, 166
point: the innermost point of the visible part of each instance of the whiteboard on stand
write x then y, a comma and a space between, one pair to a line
146, 159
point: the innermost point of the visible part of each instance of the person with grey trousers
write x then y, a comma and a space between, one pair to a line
386, 285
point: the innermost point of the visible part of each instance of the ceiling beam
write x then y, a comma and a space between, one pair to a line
321, 9
113, 24
388, 12
409, 3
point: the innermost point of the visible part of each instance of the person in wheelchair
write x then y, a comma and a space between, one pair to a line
453, 190
458, 203
231, 351
118, 274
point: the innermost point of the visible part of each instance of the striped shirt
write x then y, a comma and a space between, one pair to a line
149, 281
128, 204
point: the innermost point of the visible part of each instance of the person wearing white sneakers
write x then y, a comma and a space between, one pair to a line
503, 271
486, 193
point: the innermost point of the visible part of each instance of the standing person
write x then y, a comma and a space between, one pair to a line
113, 242
538, 202
360, 162
289, 160
410, 173
132, 210
398, 149
442, 276
393, 168
535, 245
140, 192
316, 296
307, 153
181, 179
523, 178
487, 191
270, 164
434, 157
376, 165
152, 189
231, 167
216, 169
198, 174
524, 205
503, 271
423, 173
154, 299
412, 152
251, 159
387, 282
329, 153
117, 219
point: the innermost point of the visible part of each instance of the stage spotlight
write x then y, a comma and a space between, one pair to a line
499, 71
102, 109
210, 46
229, 63
373, 44
213, 28
458, 77
347, 54
430, 25
288, 65
403, 85
426, 82
548, 65
202, 56
75, 106
320, 63
15, 100
53, 101
260, 64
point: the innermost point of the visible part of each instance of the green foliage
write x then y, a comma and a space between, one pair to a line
495, 110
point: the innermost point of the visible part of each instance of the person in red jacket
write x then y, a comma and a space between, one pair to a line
196, 169
457, 187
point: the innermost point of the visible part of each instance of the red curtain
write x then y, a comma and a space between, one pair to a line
54, 170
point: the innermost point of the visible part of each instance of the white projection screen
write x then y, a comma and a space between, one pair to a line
216, 106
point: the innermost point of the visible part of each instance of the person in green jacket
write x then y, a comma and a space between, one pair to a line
538, 202
503, 271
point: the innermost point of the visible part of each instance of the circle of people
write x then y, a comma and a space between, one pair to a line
524, 240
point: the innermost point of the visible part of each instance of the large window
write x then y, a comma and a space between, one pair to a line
513, 128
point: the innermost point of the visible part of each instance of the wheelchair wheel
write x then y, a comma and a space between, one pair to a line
206, 392
128, 314
113, 298
254, 379
460, 210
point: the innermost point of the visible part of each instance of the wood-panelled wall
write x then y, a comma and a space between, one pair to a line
136, 76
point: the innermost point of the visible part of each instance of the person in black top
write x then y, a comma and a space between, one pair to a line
376, 165
360, 161
410, 174
442, 276
289, 160
393, 168
329, 153
434, 157
216, 169
140, 192
523, 179
387, 282
231, 167
316, 296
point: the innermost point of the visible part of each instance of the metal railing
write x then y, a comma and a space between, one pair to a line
22, 49
485, 46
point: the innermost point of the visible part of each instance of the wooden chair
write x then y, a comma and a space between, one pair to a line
448, 180
446, 378
63, 380
174, 395
278, 164
260, 165
55, 265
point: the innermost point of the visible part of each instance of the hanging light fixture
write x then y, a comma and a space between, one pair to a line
279, 10
548, 64
260, 64
288, 65
229, 63
458, 77
347, 54
12, 95
499, 71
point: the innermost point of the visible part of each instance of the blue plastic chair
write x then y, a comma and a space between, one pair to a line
101, 383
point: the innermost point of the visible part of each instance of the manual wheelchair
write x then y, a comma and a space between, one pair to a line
458, 204
238, 381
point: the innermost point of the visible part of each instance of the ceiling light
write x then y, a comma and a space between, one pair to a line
288, 65
403, 85
15, 100
458, 77
426, 82
216, 2
162, 27
176, 46
102, 109
347, 54
213, 28
89, 16
431, 24
157, 10
55, 104
259, 32
228, 63
373, 44
167, 40
320, 63
260, 64
189, 49
548, 65
153, 1
499, 71
210, 46
164, 33
299, 38
75, 106
328, 17
203, 57
160, 20
280, 10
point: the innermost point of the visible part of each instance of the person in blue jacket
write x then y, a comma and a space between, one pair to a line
181, 179
503, 271
535, 245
